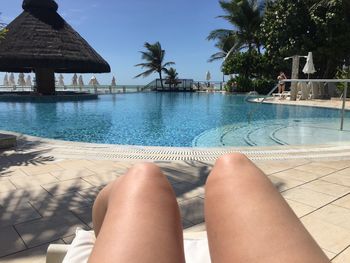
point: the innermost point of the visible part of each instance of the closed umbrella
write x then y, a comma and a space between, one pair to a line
75, 80
114, 82
12, 81
309, 67
29, 81
6, 81
81, 81
21, 81
208, 76
93, 81
60, 80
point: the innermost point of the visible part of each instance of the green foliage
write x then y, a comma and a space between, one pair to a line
296, 27
243, 84
3, 30
172, 77
263, 86
342, 74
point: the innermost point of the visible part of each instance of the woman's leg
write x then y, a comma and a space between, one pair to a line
248, 220
279, 88
137, 219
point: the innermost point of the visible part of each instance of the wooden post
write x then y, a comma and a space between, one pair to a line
45, 81
295, 75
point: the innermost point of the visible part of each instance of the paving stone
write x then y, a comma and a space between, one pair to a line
74, 164
9, 174
68, 239
344, 171
282, 183
63, 187
334, 164
308, 197
41, 169
90, 194
22, 214
33, 255
299, 175
343, 257
316, 169
14, 199
84, 214
33, 180
192, 210
299, 208
72, 174
338, 178
330, 237
272, 168
329, 254
50, 206
327, 188
105, 169
343, 202
47, 230
6, 185
334, 215
10, 242
101, 179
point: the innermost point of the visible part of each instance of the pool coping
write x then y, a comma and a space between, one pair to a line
76, 150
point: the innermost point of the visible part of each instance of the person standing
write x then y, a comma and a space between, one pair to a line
281, 83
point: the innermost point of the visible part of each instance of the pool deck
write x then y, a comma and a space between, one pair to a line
332, 104
47, 188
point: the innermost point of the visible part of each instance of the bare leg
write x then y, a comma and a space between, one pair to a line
279, 88
249, 221
141, 221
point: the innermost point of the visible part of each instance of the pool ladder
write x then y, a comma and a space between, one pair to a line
250, 114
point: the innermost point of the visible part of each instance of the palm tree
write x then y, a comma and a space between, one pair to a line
3, 30
154, 56
172, 76
246, 17
227, 43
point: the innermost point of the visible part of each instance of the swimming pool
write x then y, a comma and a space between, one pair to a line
175, 119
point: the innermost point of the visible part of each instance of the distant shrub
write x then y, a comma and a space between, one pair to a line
263, 86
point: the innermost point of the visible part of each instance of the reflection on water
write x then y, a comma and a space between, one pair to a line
165, 119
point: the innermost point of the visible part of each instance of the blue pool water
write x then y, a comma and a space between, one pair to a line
175, 119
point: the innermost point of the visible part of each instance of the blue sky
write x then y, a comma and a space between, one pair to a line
118, 30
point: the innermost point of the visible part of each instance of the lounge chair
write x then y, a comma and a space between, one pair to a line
195, 245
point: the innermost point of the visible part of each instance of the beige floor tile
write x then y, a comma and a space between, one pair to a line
33, 180
21, 214
9, 174
84, 214
74, 164
308, 197
334, 164
50, 206
316, 169
343, 202
72, 174
299, 208
344, 171
330, 237
327, 188
10, 242
14, 199
41, 169
33, 255
334, 215
282, 183
100, 179
329, 254
6, 185
64, 187
90, 194
338, 178
46, 230
299, 175
343, 257
102, 168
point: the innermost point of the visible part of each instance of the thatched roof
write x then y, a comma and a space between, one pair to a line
40, 38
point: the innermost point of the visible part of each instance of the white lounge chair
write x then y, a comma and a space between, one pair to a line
195, 245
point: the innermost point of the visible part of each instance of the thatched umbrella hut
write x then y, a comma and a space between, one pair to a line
40, 40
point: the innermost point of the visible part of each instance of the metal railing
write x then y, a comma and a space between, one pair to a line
346, 81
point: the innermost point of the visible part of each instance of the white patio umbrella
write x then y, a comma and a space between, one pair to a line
309, 67
81, 81
114, 82
6, 81
21, 81
12, 81
75, 80
60, 80
29, 81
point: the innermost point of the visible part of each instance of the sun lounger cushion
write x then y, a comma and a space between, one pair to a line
196, 250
